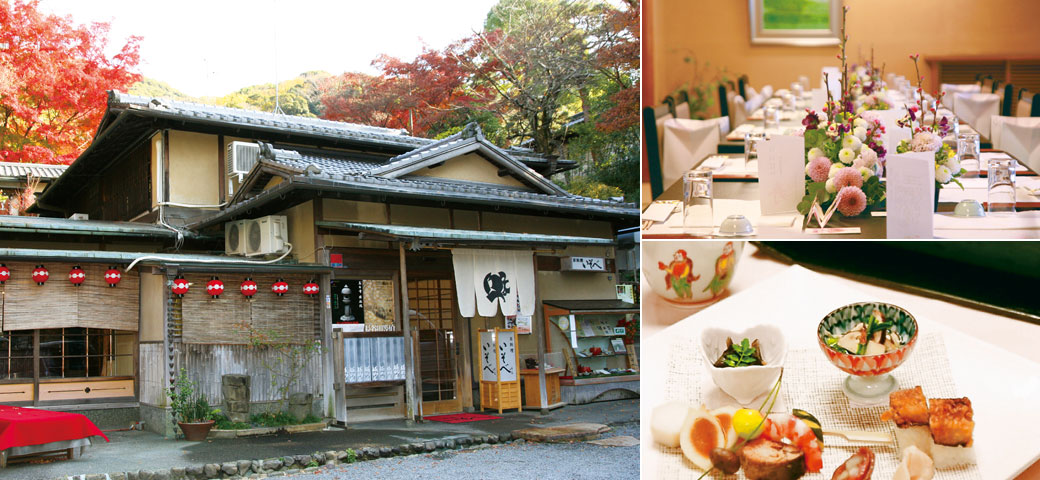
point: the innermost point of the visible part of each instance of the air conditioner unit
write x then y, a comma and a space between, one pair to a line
267, 235
241, 157
235, 237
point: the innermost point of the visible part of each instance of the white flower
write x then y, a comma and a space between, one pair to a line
851, 142
859, 122
822, 116
813, 153
953, 164
835, 167
943, 174
832, 130
858, 162
925, 142
860, 133
846, 155
868, 156
830, 186
871, 116
866, 173
861, 109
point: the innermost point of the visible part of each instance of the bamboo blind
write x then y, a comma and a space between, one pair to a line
293, 317
60, 304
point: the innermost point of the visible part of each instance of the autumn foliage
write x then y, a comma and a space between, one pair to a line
53, 81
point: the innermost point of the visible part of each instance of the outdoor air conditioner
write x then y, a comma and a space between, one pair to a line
241, 157
235, 237
266, 235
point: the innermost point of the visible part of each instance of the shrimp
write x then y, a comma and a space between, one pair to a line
787, 428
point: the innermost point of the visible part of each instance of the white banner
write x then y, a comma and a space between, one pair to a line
488, 281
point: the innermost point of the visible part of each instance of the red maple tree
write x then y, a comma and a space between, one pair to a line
415, 95
619, 61
53, 80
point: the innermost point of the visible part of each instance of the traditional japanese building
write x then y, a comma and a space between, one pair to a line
414, 246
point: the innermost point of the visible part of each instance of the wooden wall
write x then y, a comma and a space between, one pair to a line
123, 191
205, 364
152, 382
60, 304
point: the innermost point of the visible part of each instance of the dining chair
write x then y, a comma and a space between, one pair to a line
738, 112
1028, 104
977, 108
987, 84
652, 140
1007, 100
682, 107
687, 142
996, 87
1018, 136
670, 102
742, 83
723, 101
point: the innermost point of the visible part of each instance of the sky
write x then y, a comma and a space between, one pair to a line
215, 47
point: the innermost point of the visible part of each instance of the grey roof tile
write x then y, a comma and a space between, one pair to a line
38, 170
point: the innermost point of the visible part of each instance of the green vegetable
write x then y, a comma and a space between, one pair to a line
741, 354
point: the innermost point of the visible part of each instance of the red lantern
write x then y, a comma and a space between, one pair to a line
5, 273
112, 276
215, 287
248, 288
77, 276
40, 275
310, 288
280, 287
180, 286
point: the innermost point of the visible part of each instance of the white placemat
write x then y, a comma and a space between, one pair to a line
1029, 220
813, 384
722, 208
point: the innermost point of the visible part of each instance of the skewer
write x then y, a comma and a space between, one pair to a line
861, 436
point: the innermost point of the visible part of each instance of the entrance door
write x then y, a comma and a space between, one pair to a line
433, 301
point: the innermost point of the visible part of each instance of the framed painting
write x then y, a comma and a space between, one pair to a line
805, 23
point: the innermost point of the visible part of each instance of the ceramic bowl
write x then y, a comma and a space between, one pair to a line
844, 318
969, 208
690, 272
736, 226
745, 384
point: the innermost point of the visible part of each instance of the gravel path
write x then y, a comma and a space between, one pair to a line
514, 461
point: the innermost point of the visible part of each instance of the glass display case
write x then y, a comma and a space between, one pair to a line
600, 339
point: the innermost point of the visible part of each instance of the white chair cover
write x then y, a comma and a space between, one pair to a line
687, 142
767, 92
754, 103
682, 110
661, 117
750, 91
1024, 107
738, 112
976, 109
949, 89
1018, 136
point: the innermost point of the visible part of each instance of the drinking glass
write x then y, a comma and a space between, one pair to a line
751, 140
797, 89
697, 202
789, 105
1001, 189
968, 153
771, 117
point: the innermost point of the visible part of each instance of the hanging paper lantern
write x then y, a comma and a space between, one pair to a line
40, 275
112, 276
77, 276
248, 288
180, 286
280, 287
310, 288
5, 273
215, 287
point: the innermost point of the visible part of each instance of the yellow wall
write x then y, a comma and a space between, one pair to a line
194, 173
419, 216
351, 211
471, 168
157, 170
503, 222
301, 232
718, 33
152, 289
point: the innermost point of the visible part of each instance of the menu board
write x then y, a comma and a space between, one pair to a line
507, 356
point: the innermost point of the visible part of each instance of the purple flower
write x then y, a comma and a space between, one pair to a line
811, 121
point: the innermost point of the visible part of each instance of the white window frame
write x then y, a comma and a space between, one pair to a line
798, 38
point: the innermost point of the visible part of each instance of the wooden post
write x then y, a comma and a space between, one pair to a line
340, 385
406, 328
466, 377
541, 326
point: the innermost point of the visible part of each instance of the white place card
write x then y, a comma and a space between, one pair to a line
910, 189
781, 174
818, 99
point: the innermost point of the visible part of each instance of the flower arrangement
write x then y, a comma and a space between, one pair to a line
929, 138
844, 151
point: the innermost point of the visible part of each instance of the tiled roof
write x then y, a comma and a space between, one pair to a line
51, 225
238, 116
38, 170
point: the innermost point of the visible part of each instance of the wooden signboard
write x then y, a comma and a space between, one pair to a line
499, 379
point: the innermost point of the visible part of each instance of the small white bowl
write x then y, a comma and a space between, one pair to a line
745, 384
969, 208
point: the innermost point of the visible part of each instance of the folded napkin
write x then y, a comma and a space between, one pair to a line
660, 210
686, 142
722, 208
976, 109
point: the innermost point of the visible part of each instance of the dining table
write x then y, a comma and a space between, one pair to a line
983, 354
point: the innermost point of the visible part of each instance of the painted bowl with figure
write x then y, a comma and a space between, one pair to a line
690, 272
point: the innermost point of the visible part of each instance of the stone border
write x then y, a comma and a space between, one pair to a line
292, 464
253, 432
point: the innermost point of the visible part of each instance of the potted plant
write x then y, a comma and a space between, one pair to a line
191, 410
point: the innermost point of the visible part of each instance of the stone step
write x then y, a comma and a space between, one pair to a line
563, 433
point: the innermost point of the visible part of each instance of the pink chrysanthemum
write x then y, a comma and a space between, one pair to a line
851, 201
819, 167
848, 177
